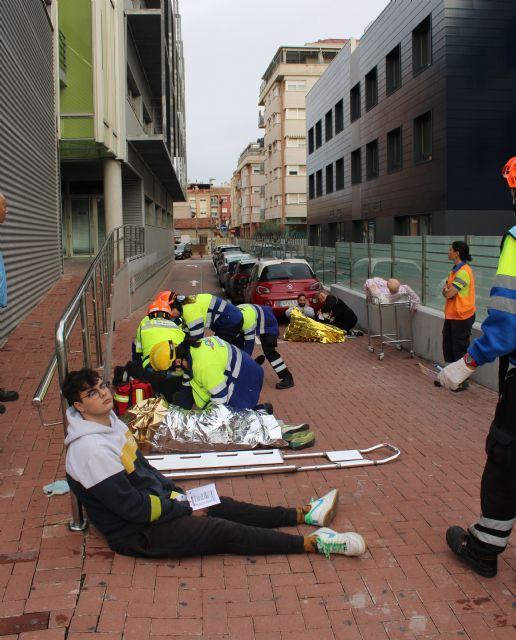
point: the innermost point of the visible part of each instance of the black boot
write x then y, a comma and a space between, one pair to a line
287, 381
459, 542
260, 360
8, 396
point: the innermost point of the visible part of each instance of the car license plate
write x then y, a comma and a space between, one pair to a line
287, 303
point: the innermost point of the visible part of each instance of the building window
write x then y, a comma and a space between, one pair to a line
311, 186
318, 134
371, 89
295, 170
339, 116
295, 85
329, 178
318, 183
213, 201
354, 103
339, 174
296, 143
372, 169
328, 126
311, 140
294, 114
393, 70
257, 169
422, 46
394, 150
296, 198
356, 166
423, 137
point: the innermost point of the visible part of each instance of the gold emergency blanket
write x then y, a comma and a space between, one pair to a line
167, 428
303, 329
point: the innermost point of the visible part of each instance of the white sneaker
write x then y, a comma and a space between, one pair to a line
347, 544
323, 509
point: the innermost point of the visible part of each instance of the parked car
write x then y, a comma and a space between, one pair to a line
227, 261
225, 250
277, 283
216, 251
182, 251
238, 280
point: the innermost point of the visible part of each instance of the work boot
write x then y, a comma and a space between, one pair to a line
459, 542
2, 408
288, 431
287, 381
260, 360
8, 396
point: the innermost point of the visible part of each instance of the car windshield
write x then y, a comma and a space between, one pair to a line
287, 271
246, 268
180, 247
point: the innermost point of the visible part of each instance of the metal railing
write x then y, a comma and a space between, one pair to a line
95, 291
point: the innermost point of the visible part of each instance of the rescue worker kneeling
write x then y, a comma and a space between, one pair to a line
156, 327
214, 372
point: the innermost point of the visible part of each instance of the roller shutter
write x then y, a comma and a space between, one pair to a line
30, 237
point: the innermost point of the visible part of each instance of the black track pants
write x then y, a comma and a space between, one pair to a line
231, 527
498, 489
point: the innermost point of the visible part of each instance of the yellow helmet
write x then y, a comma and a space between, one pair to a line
163, 354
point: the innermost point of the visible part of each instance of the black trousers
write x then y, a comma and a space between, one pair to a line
230, 527
491, 532
456, 335
269, 344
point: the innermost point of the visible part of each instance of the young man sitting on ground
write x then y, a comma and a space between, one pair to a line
142, 513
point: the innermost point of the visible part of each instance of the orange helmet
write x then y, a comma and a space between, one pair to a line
509, 172
159, 305
168, 296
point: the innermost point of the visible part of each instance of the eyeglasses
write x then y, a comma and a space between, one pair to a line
94, 393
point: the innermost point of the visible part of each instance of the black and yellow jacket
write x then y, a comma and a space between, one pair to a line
120, 490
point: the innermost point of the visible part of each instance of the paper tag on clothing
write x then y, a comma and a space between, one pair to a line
202, 497
429, 373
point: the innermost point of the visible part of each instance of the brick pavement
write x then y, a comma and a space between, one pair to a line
57, 584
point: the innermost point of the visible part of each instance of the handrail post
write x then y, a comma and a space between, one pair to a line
85, 329
96, 320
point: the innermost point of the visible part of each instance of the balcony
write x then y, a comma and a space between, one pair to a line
63, 65
154, 152
144, 27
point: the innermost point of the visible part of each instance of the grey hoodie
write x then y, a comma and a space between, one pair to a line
121, 492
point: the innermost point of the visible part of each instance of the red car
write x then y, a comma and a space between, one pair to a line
277, 283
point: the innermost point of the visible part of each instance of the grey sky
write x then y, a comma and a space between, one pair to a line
228, 45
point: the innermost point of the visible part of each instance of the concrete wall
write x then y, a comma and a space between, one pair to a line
426, 326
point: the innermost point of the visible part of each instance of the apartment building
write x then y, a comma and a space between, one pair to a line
409, 129
30, 235
207, 213
291, 74
121, 125
248, 189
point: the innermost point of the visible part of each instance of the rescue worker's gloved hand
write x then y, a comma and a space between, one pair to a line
454, 374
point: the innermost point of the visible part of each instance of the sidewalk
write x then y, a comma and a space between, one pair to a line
55, 584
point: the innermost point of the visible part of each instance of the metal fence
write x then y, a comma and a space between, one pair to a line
86, 321
419, 261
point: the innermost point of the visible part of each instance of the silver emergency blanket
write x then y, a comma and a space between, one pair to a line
220, 428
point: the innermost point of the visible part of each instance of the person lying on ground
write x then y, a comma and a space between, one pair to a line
141, 513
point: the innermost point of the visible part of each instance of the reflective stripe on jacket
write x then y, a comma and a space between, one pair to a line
222, 374
257, 321
499, 328
461, 306
211, 312
153, 330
